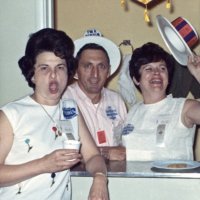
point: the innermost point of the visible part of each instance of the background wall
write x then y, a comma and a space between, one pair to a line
19, 18
76, 16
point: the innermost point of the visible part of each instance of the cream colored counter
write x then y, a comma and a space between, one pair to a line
136, 180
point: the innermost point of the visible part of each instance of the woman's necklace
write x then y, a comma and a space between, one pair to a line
57, 132
55, 128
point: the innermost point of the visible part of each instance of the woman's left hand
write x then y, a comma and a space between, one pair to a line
194, 66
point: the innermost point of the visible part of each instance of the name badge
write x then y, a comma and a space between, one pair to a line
68, 109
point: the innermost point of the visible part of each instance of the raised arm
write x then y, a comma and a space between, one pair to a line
191, 109
191, 113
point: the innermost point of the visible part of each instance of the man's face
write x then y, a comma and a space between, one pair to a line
93, 71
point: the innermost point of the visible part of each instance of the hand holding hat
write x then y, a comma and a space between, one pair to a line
179, 36
194, 66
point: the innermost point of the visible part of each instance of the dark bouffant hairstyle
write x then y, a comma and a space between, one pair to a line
50, 40
148, 53
93, 46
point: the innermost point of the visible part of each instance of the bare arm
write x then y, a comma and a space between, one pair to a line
191, 113
191, 110
94, 163
12, 174
93, 160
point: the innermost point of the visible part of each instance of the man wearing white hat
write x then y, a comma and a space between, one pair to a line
103, 109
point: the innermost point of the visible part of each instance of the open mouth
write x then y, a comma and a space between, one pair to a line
53, 87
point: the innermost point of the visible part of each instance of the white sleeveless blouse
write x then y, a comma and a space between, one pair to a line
34, 137
155, 132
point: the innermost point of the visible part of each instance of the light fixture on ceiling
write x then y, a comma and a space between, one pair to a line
147, 3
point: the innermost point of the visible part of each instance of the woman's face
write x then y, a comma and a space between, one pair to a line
50, 78
154, 77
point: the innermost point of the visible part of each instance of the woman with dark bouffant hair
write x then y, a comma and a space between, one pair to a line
47, 40
159, 127
33, 161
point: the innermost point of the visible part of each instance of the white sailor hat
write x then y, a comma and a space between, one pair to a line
95, 36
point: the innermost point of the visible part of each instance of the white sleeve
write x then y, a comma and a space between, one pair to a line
125, 84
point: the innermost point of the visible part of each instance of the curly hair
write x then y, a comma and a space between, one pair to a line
149, 52
50, 40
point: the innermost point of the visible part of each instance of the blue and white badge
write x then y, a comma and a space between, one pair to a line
68, 109
69, 113
127, 129
111, 113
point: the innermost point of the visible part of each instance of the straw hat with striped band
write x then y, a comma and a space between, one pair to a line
179, 36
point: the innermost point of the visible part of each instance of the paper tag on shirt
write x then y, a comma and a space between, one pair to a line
101, 137
117, 134
66, 129
160, 134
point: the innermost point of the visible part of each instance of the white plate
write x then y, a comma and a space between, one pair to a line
165, 165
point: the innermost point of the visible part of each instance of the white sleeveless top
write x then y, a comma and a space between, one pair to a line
155, 132
34, 138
